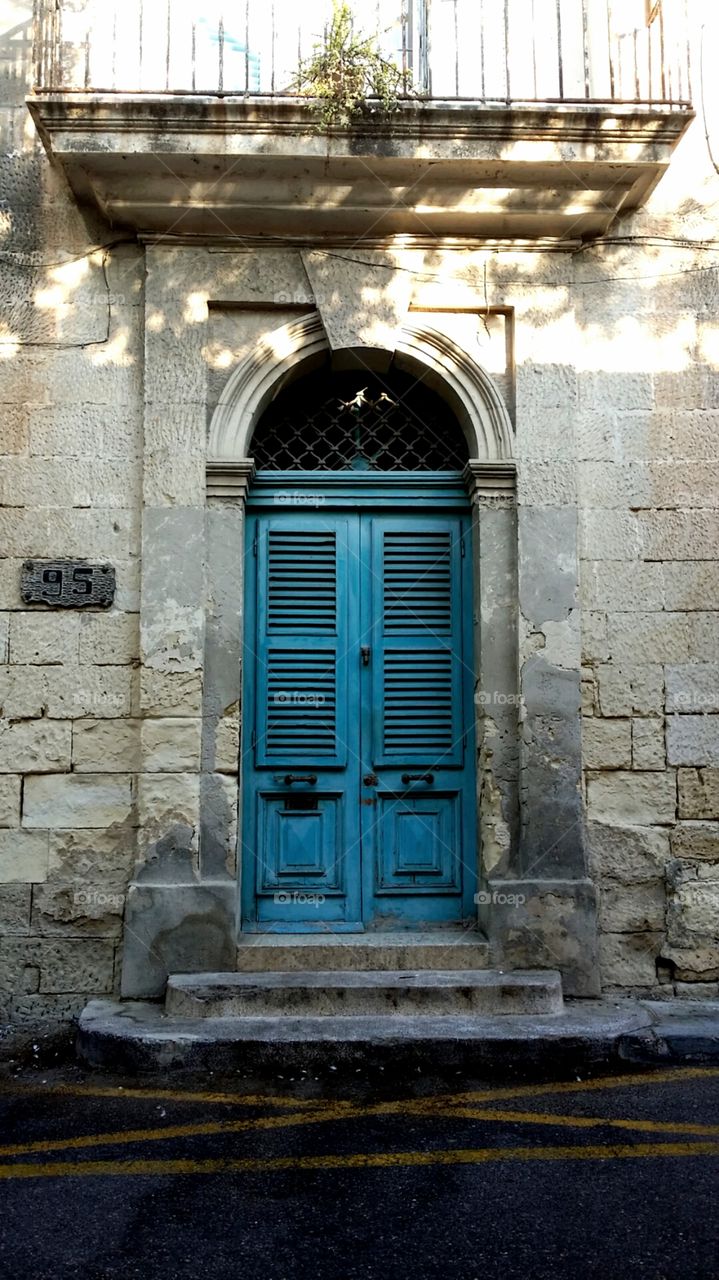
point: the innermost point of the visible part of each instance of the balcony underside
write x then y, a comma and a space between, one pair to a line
214, 168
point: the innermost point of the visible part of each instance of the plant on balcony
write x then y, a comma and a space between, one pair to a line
348, 75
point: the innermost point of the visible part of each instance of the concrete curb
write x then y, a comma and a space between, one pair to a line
680, 1031
138, 1037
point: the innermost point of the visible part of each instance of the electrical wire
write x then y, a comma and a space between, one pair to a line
641, 241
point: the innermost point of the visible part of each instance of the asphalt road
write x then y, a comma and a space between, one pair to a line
613, 1177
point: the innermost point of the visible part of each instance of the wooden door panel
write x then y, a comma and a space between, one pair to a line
302, 772
418, 834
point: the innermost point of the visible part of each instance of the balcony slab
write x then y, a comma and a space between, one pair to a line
214, 168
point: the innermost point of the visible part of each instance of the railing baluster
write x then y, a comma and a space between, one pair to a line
38, 19
649, 86
688, 55
669, 44
272, 49
113, 61
456, 48
404, 38
480, 48
506, 47
662, 53
535, 94
611, 39
48, 45
427, 55
482, 71
247, 46
560, 60
585, 49
167, 52
142, 42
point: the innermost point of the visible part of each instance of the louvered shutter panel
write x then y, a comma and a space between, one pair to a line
301, 688
417, 684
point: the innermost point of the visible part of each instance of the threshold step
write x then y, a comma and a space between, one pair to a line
364, 993
139, 1036
402, 949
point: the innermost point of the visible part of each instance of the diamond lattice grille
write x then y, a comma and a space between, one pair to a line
360, 422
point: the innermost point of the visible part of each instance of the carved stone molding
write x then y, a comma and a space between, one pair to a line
230, 479
421, 350
491, 484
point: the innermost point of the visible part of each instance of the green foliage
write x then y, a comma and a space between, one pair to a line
348, 75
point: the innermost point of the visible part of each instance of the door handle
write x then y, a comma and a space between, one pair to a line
370, 779
417, 777
365, 651
289, 778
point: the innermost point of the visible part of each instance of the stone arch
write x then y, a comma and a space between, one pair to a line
275, 360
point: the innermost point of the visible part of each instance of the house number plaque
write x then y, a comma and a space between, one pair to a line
68, 584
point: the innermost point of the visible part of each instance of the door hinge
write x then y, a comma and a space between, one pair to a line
253, 739
463, 549
254, 544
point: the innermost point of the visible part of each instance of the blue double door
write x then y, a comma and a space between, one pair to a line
358, 786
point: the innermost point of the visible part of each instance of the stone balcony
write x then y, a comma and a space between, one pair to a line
521, 123
222, 168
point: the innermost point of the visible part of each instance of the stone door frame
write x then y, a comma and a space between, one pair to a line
538, 906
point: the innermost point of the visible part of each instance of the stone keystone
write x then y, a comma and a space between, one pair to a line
362, 304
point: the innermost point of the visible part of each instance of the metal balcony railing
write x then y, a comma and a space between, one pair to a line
494, 51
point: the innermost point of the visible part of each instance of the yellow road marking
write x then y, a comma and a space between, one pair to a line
160, 1095
372, 1160
323, 1115
431, 1109
582, 1122
668, 1076
325, 1111
170, 1131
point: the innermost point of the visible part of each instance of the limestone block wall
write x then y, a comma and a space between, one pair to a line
648, 477
119, 759
71, 319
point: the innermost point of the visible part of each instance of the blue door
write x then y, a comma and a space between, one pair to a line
358, 781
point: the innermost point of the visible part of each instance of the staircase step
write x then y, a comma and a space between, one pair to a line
338, 993
405, 949
588, 1036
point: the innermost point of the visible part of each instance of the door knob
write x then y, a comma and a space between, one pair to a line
417, 777
370, 779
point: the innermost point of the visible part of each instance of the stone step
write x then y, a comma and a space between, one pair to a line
590, 1035
403, 949
338, 993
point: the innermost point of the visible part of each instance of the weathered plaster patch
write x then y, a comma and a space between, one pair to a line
172, 638
495, 833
